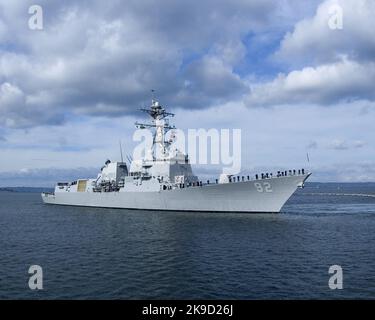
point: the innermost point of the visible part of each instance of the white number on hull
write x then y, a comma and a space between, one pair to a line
258, 186
265, 187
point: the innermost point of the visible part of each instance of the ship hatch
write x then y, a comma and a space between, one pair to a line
81, 185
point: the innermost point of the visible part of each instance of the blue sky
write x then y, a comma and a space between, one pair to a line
70, 92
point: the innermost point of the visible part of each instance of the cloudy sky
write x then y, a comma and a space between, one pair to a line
274, 68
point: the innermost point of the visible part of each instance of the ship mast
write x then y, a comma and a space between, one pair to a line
160, 122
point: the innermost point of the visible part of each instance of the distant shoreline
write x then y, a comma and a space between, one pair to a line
7, 190
25, 189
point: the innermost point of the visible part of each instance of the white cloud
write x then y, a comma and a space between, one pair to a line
17, 109
314, 42
103, 59
270, 140
43, 177
95, 62
10, 96
325, 66
339, 144
312, 145
359, 144
208, 80
361, 171
325, 84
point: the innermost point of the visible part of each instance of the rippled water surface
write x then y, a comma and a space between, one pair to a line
105, 254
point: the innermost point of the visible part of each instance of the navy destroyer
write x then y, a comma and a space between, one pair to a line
165, 181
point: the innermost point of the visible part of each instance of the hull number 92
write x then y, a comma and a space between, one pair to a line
263, 187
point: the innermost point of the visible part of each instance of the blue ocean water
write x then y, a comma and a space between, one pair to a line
123, 254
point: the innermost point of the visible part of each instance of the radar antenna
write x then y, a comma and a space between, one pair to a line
160, 121
122, 157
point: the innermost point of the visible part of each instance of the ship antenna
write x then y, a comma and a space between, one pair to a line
129, 159
152, 95
122, 157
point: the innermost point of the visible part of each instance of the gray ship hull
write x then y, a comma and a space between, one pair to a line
258, 196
